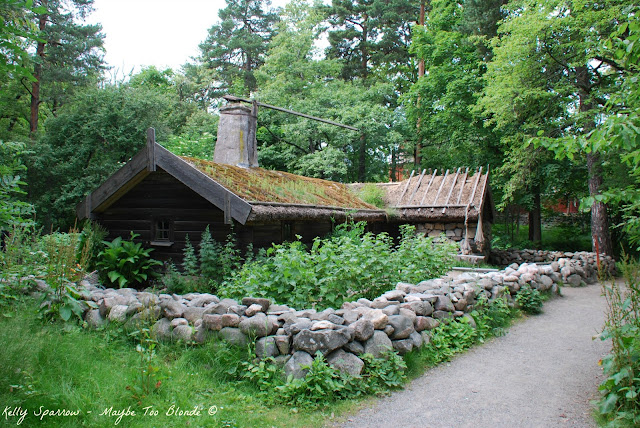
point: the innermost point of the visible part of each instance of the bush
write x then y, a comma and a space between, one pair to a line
530, 300
345, 266
125, 263
323, 383
620, 404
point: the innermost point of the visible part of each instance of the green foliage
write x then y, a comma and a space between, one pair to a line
213, 263
346, 266
190, 260
148, 380
529, 299
324, 384
619, 404
64, 298
13, 211
372, 194
124, 263
91, 243
236, 45
492, 316
17, 30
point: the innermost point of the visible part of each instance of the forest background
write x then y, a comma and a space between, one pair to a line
544, 91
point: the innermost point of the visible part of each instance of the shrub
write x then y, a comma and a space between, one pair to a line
347, 265
125, 263
530, 300
65, 268
323, 383
619, 403
91, 243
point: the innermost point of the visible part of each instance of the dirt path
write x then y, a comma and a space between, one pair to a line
543, 373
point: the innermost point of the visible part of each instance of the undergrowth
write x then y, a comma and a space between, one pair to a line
345, 266
620, 402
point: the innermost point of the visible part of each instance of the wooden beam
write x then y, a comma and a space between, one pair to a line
248, 101
413, 195
428, 186
435, 201
475, 187
120, 182
464, 182
455, 179
202, 184
151, 145
406, 186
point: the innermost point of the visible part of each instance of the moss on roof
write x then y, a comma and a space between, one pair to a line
263, 185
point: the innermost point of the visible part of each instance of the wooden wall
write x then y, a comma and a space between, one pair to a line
160, 196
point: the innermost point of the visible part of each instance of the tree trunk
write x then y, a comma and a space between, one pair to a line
417, 156
600, 234
362, 159
535, 219
37, 74
364, 50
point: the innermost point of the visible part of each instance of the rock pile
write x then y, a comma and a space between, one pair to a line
400, 319
586, 260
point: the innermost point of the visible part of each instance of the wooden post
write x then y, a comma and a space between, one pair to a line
151, 150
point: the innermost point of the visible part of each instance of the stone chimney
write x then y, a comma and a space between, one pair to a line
236, 143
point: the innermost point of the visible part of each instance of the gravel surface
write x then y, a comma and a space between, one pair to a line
543, 373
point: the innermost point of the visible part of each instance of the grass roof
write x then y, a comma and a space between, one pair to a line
263, 185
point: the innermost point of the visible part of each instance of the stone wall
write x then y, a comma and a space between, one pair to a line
400, 319
584, 259
456, 232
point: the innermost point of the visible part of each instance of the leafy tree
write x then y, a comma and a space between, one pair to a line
442, 101
545, 74
236, 46
294, 77
88, 140
68, 54
367, 34
13, 210
618, 135
15, 32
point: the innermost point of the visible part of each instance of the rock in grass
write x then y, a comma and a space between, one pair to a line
118, 313
234, 336
346, 362
298, 365
161, 330
266, 347
182, 332
403, 346
377, 344
94, 319
258, 325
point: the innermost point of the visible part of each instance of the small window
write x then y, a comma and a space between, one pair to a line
162, 233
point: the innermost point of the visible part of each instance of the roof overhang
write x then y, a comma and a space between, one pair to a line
147, 161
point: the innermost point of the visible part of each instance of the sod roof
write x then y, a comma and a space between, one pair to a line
263, 185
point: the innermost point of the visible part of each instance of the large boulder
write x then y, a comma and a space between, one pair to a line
346, 362
298, 365
402, 326
377, 344
324, 341
257, 326
267, 347
234, 336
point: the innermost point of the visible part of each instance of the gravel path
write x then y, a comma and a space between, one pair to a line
543, 373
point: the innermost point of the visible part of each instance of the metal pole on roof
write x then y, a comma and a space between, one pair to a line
248, 101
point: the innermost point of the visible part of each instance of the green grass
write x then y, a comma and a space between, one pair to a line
86, 370
555, 238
